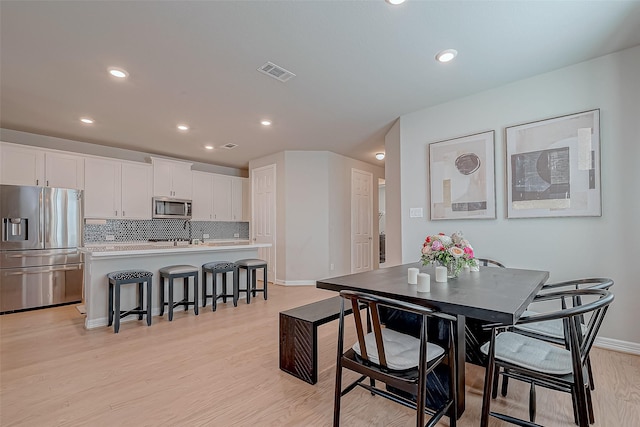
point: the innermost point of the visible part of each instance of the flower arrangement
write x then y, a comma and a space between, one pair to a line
453, 252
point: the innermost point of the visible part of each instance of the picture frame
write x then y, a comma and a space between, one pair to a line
462, 177
553, 167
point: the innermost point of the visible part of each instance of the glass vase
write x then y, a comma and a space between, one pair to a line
453, 270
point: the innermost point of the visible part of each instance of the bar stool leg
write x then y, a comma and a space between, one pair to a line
185, 292
214, 291
236, 286
148, 301
204, 288
110, 303
195, 292
264, 284
248, 285
161, 296
254, 282
224, 287
170, 299
116, 320
140, 297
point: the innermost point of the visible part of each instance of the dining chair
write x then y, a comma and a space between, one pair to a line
401, 361
544, 364
553, 331
486, 262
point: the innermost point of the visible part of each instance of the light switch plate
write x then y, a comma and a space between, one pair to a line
109, 237
236, 235
205, 236
415, 212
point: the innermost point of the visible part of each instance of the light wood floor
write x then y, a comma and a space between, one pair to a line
221, 369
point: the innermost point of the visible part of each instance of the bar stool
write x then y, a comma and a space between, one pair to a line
215, 268
125, 277
179, 272
251, 265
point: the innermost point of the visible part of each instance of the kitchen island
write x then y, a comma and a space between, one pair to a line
103, 259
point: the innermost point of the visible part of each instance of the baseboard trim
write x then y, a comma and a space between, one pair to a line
296, 282
618, 345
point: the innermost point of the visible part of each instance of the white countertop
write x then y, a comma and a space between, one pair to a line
151, 248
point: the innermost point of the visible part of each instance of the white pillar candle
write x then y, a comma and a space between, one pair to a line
441, 274
424, 282
413, 275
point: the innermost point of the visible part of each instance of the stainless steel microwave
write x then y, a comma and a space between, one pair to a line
165, 207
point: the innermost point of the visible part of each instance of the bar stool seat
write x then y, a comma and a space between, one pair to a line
251, 265
183, 272
215, 268
125, 277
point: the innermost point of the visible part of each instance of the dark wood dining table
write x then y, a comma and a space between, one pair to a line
490, 295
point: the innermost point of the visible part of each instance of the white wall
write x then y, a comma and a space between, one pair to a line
567, 247
393, 208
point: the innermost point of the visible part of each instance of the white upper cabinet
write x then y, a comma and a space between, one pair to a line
172, 179
22, 165
136, 190
222, 191
202, 207
116, 189
237, 198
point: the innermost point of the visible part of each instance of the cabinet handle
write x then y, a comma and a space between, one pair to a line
37, 181
116, 213
47, 183
123, 213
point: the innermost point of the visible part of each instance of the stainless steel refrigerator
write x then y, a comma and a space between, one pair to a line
40, 263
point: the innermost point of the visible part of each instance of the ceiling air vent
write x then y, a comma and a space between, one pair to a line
229, 146
278, 73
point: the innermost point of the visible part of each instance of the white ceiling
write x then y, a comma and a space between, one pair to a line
359, 66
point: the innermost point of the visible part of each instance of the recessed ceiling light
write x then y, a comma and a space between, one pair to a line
209, 147
379, 156
118, 72
394, 2
265, 122
446, 55
87, 120
183, 128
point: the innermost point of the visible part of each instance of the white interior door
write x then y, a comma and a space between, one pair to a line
263, 218
361, 221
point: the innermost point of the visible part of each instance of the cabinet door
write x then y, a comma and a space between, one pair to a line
136, 191
64, 170
222, 198
202, 208
246, 200
21, 166
182, 181
102, 188
162, 177
236, 199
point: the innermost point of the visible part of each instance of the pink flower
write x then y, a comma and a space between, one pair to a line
468, 251
437, 245
426, 250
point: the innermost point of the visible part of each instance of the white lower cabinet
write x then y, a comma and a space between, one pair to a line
115, 189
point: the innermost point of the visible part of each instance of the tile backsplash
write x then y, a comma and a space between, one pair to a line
124, 230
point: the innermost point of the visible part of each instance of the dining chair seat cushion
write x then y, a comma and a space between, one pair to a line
531, 353
550, 328
402, 351
178, 269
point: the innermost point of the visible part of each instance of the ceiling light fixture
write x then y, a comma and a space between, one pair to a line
87, 120
394, 2
209, 147
118, 72
265, 122
183, 128
379, 156
446, 55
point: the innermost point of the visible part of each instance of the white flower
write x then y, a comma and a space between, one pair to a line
456, 251
446, 240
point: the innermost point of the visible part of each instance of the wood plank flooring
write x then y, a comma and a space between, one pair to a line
221, 369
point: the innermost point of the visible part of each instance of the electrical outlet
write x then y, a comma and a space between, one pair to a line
236, 235
205, 236
331, 267
109, 237
415, 213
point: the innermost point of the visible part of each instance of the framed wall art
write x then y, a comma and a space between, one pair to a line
553, 167
462, 177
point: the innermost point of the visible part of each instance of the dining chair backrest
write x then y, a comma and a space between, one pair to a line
486, 262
